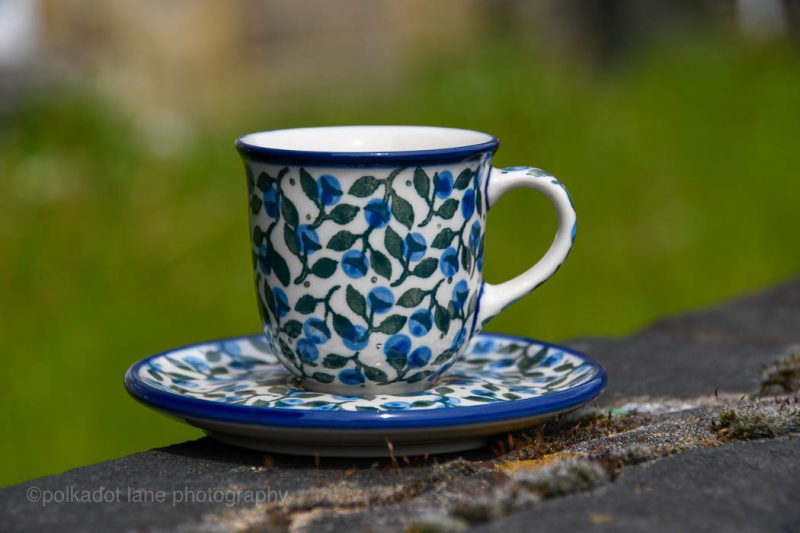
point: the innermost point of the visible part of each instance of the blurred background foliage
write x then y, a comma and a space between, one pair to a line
123, 226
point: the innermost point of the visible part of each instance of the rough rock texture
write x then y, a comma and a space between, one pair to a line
742, 486
662, 450
695, 354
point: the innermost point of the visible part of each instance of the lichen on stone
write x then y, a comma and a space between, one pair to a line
759, 419
525, 486
574, 453
435, 522
782, 376
562, 477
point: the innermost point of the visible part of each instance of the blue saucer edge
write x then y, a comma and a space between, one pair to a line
506, 411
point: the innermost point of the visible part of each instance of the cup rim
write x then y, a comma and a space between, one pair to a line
251, 150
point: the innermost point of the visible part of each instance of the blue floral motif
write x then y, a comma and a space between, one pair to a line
232, 348
553, 359
351, 377
307, 239
271, 202
328, 190
468, 203
502, 363
280, 301
397, 347
308, 350
459, 340
448, 264
355, 264
419, 357
316, 330
414, 246
492, 369
197, 363
484, 346
380, 299
420, 322
347, 265
396, 405
443, 184
355, 337
377, 213
241, 363
475, 235
289, 402
460, 294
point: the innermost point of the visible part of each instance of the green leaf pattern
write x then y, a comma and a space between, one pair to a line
245, 371
368, 276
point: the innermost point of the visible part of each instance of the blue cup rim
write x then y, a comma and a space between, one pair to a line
457, 153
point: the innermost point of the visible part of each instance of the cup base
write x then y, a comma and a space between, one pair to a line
364, 390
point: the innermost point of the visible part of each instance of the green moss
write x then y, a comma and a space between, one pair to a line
562, 477
782, 375
477, 512
726, 418
759, 420
435, 523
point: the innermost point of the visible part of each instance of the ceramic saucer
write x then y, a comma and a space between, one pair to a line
237, 391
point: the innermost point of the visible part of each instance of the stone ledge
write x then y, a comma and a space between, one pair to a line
670, 371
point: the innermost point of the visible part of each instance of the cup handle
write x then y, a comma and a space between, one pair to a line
494, 298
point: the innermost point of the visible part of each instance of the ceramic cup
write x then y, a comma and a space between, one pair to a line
367, 246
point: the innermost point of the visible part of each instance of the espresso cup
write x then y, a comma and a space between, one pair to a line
367, 247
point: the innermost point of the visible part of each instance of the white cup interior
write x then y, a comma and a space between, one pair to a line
366, 139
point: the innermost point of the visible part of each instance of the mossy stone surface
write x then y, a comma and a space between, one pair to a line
654, 454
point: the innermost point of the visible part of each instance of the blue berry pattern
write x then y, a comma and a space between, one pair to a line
370, 278
245, 371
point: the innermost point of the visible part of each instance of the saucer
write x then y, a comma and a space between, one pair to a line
237, 391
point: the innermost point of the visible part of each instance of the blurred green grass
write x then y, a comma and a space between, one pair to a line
682, 166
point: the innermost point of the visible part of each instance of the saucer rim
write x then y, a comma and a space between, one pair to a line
180, 405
